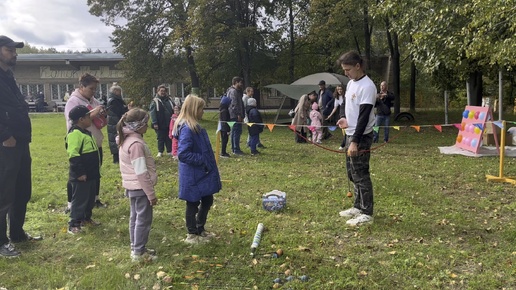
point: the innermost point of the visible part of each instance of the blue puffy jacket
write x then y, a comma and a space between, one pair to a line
198, 172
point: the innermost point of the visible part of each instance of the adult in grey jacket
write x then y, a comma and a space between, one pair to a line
236, 113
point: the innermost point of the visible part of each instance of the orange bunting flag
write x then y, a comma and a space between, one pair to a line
376, 128
439, 128
270, 126
416, 127
231, 124
292, 127
250, 124
396, 127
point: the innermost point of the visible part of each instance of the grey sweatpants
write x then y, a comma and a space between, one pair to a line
140, 223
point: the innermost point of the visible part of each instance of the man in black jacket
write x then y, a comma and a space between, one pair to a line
384, 102
116, 109
161, 109
15, 165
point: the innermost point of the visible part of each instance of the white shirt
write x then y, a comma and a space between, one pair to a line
358, 93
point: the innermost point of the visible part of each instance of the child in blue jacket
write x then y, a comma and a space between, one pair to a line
199, 177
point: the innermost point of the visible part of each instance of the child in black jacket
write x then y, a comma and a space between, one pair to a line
254, 131
224, 128
84, 173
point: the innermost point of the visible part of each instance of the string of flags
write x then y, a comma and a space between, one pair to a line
438, 127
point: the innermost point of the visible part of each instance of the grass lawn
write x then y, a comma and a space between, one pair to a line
438, 223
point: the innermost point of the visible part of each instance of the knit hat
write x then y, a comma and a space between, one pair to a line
78, 112
251, 102
315, 106
115, 86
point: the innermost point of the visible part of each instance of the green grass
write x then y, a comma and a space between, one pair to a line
438, 223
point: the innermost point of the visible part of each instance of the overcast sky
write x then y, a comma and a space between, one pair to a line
62, 24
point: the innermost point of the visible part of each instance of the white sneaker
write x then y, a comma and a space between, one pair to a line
350, 213
147, 257
207, 234
359, 220
159, 154
341, 148
194, 239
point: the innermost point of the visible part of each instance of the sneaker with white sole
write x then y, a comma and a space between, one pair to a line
74, 230
8, 251
207, 234
342, 148
159, 154
360, 220
145, 257
194, 239
350, 213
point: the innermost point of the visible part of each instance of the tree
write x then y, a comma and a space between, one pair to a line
152, 41
490, 34
27, 48
458, 41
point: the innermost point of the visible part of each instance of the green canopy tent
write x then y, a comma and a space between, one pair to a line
306, 85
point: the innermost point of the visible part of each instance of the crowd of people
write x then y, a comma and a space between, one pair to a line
179, 132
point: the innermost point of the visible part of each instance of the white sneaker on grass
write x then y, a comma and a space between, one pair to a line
194, 239
350, 212
159, 154
207, 234
360, 220
147, 257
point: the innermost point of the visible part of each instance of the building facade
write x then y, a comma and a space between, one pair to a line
57, 75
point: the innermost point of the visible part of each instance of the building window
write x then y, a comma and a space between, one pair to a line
102, 90
30, 91
58, 91
272, 93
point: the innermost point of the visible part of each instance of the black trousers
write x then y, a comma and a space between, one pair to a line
197, 213
300, 136
69, 191
224, 137
15, 190
163, 140
83, 200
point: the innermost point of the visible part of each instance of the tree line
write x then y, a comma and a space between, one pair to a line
443, 44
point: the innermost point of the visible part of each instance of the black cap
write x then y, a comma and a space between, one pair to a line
78, 112
322, 83
6, 41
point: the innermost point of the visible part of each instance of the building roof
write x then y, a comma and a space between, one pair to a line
63, 57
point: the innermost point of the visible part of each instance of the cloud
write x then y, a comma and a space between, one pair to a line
62, 24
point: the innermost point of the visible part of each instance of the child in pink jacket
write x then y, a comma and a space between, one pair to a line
138, 178
316, 122
173, 119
